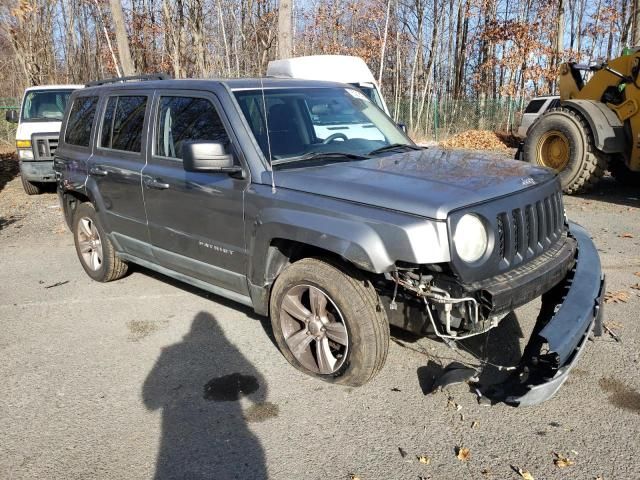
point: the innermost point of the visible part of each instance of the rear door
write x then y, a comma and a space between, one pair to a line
117, 164
196, 223
72, 158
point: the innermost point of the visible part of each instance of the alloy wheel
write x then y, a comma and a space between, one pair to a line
314, 329
89, 243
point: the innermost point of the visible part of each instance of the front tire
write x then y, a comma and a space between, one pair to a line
329, 322
30, 188
94, 249
561, 140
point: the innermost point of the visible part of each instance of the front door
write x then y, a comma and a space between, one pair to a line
195, 219
116, 167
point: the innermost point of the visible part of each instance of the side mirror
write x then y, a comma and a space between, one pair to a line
403, 127
207, 157
11, 116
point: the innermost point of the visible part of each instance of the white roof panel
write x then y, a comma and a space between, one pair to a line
334, 68
54, 87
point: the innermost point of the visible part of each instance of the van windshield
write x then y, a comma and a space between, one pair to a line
371, 93
315, 121
44, 105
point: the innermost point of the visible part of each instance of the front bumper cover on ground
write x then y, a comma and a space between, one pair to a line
570, 312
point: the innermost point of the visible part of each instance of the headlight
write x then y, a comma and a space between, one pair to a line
23, 143
470, 238
24, 154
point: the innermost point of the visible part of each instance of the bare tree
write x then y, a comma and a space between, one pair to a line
122, 39
285, 29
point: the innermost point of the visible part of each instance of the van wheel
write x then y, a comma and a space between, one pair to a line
94, 249
329, 322
30, 187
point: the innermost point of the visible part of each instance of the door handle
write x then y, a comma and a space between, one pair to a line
156, 183
98, 171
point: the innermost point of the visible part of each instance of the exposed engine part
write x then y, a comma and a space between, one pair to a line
454, 314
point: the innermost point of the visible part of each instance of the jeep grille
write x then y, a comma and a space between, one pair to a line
529, 230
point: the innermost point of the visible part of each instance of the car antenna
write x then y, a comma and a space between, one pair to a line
266, 126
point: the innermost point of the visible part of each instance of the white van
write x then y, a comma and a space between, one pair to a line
332, 68
536, 107
39, 124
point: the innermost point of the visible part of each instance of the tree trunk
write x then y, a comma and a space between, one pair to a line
635, 31
559, 41
384, 45
285, 45
121, 38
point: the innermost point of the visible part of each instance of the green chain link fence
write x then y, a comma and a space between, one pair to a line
438, 120
8, 130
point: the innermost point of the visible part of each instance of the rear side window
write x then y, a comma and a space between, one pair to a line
122, 123
534, 106
81, 116
186, 119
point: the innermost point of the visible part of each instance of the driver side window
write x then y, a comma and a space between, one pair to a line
185, 119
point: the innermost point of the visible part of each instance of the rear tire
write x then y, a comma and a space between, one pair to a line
338, 330
29, 187
561, 140
95, 251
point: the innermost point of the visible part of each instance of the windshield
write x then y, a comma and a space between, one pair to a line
371, 93
44, 105
305, 121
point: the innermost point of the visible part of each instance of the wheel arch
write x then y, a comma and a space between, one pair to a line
70, 199
279, 242
606, 128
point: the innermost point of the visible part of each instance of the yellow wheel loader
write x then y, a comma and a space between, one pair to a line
595, 128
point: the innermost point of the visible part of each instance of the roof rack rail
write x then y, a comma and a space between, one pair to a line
155, 76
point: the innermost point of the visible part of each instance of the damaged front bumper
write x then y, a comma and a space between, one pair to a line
570, 312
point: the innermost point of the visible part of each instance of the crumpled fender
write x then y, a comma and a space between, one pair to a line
355, 241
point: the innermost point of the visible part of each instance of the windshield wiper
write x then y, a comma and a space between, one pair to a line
40, 117
321, 155
395, 146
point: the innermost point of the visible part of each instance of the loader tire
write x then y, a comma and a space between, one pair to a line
562, 140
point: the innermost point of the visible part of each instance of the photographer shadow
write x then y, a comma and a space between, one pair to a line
197, 384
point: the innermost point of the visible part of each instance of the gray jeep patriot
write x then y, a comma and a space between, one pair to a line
305, 201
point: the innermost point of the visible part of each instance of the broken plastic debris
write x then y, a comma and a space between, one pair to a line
454, 373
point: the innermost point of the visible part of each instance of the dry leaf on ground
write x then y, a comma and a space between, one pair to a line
451, 403
561, 461
424, 459
636, 286
463, 453
626, 235
637, 274
523, 473
474, 424
620, 296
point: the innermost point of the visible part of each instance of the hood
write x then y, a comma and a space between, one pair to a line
429, 183
26, 129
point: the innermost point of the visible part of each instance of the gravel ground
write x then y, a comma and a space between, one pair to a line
145, 377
